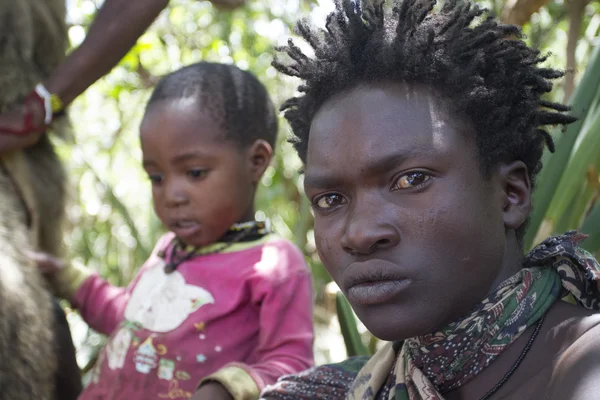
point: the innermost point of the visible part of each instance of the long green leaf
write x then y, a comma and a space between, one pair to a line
576, 210
591, 227
555, 164
352, 339
586, 155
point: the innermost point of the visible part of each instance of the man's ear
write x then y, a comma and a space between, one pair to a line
516, 187
259, 157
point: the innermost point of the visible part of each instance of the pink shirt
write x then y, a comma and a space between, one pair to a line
250, 308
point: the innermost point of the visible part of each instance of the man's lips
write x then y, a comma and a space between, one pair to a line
373, 282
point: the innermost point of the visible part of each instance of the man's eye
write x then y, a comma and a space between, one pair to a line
329, 201
411, 180
197, 173
155, 178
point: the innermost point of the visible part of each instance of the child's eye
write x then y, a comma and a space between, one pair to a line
411, 180
328, 201
197, 173
155, 178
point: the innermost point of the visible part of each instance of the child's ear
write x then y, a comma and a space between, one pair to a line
259, 157
516, 194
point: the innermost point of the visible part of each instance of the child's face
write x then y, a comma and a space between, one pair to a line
201, 182
405, 222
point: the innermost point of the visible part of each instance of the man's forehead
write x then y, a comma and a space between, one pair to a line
369, 123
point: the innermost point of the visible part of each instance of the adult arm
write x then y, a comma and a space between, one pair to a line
116, 28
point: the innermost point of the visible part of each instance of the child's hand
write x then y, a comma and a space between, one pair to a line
212, 391
47, 264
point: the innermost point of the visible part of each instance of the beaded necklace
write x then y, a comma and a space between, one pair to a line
237, 233
518, 362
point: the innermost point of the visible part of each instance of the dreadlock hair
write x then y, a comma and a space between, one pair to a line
234, 98
490, 80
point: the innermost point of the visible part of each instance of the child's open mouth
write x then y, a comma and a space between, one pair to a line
185, 228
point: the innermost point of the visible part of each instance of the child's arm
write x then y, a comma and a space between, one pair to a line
100, 304
286, 331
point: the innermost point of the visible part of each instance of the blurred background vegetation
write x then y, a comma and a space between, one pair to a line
113, 224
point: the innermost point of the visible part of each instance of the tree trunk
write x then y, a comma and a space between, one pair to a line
576, 9
518, 12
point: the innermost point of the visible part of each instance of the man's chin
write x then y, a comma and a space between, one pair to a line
384, 325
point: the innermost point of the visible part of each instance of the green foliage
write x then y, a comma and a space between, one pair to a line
352, 339
568, 187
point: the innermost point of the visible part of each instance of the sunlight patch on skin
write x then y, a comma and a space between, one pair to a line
415, 94
437, 122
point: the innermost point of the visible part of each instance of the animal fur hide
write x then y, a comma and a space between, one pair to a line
32, 202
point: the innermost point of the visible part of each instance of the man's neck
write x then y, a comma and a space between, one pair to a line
512, 261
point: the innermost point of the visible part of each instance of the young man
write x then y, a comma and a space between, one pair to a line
422, 134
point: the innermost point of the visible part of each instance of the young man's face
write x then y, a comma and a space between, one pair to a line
201, 182
405, 223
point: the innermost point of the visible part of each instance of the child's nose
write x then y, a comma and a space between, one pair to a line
176, 201
175, 196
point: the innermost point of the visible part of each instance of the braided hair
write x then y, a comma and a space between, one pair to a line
234, 98
483, 71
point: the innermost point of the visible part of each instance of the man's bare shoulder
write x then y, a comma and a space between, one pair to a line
576, 368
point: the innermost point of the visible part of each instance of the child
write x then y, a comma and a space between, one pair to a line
422, 130
221, 306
